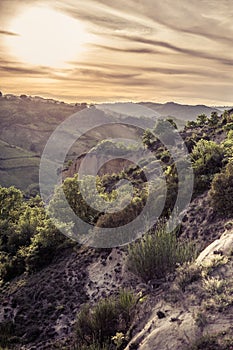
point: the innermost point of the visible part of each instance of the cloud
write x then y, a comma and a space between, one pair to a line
208, 20
101, 17
90, 74
6, 32
18, 70
143, 49
166, 45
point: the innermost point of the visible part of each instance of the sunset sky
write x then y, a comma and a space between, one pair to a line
124, 50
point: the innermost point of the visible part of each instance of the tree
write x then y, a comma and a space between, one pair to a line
23, 97
148, 138
213, 120
202, 119
190, 124
171, 121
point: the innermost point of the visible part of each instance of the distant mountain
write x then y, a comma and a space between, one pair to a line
224, 108
180, 113
184, 112
129, 109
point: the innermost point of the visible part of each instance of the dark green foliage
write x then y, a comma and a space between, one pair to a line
6, 334
28, 240
213, 119
171, 121
148, 138
221, 192
114, 148
207, 158
158, 253
190, 124
71, 189
228, 145
201, 119
228, 126
99, 323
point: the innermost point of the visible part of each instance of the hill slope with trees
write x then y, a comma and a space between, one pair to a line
166, 290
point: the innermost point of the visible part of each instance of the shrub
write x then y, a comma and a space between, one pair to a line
187, 274
221, 192
206, 343
99, 324
6, 333
207, 157
158, 253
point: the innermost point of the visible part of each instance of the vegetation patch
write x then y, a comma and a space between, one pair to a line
105, 323
158, 253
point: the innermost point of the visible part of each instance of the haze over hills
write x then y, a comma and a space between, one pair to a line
27, 122
184, 112
151, 109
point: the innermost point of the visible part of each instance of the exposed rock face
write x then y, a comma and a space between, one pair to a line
180, 329
93, 164
102, 163
223, 246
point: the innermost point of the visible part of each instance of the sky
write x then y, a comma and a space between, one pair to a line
124, 50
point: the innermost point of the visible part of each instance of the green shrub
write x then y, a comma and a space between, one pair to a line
221, 192
228, 145
228, 126
207, 158
99, 324
6, 333
158, 253
28, 239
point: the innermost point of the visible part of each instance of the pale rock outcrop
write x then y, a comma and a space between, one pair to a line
179, 329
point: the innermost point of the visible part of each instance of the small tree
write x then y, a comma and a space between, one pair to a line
148, 138
213, 120
201, 119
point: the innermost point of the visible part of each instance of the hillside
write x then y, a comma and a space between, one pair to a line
26, 124
169, 289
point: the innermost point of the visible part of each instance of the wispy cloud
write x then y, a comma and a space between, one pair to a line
166, 45
6, 32
19, 70
144, 50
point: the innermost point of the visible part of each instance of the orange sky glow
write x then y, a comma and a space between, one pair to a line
105, 50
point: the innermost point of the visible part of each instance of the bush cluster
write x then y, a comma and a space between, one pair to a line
99, 324
221, 192
28, 239
158, 253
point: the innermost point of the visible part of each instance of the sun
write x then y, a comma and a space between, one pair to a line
46, 37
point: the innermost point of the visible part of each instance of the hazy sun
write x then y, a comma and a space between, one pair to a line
46, 37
